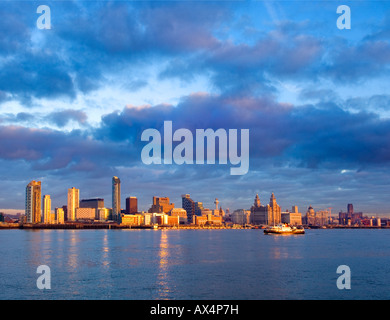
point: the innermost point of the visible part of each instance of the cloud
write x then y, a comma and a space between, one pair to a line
319, 135
47, 149
61, 118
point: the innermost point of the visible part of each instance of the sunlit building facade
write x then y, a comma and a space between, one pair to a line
241, 217
116, 199
60, 215
161, 205
131, 205
269, 214
189, 206
33, 202
73, 203
47, 209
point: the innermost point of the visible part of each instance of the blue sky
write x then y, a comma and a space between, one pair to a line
75, 99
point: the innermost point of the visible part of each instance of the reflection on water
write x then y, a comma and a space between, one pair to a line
163, 254
105, 251
192, 264
72, 254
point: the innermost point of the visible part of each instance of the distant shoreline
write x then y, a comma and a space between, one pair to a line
83, 226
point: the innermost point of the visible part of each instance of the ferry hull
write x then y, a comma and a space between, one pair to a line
284, 232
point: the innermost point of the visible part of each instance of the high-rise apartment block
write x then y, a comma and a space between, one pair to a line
33, 202
73, 203
116, 198
47, 209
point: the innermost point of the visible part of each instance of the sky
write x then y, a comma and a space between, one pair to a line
75, 99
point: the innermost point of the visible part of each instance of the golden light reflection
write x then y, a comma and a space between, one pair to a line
162, 277
73, 250
106, 251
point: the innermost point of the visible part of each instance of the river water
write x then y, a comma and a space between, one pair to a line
194, 264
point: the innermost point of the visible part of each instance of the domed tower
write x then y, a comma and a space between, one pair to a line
257, 203
275, 214
272, 201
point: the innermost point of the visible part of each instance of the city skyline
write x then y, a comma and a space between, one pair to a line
75, 99
74, 201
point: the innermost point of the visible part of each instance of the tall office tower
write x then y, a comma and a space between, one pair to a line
73, 203
188, 205
33, 202
131, 205
116, 198
47, 209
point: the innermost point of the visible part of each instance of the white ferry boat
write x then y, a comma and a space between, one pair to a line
283, 228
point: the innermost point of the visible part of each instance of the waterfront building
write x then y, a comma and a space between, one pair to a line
116, 198
310, 216
132, 220
350, 217
1, 217
147, 218
198, 208
208, 219
53, 219
65, 208
206, 212
322, 217
356, 217
103, 214
241, 217
33, 202
73, 203
159, 218
316, 218
181, 213
189, 206
173, 221
85, 213
269, 214
96, 203
47, 209
131, 205
293, 218
60, 215
161, 205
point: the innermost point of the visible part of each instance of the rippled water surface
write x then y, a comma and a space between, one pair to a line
194, 264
